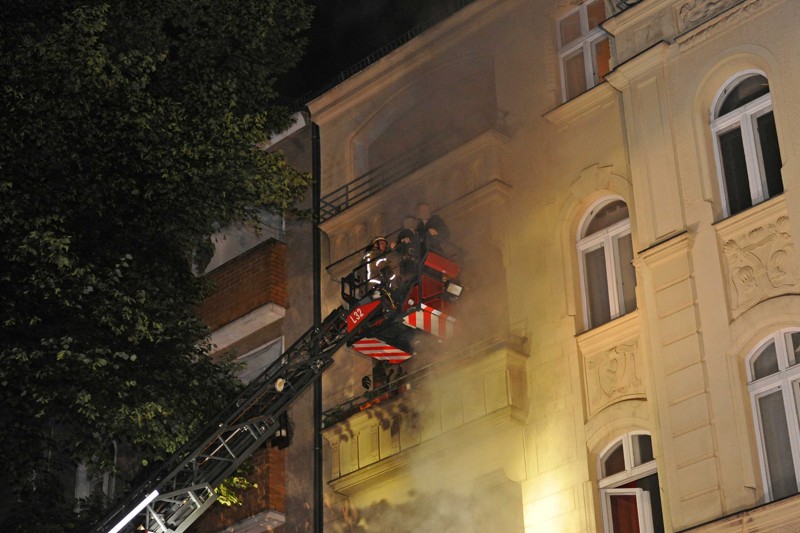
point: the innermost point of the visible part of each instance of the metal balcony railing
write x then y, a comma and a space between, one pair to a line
414, 158
622, 5
361, 188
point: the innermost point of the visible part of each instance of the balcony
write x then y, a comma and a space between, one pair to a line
249, 294
471, 171
415, 161
477, 392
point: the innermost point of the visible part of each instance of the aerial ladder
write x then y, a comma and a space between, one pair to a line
381, 319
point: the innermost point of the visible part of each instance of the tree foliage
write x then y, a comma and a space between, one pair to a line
129, 132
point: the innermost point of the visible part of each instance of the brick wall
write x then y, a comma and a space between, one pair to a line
245, 283
270, 474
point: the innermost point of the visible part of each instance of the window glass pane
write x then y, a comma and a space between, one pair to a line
642, 449
575, 74
624, 513
650, 485
627, 274
777, 447
606, 216
766, 362
746, 91
734, 167
596, 12
597, 287
614, 461
793, 346
770, 153
570, 27
602, 59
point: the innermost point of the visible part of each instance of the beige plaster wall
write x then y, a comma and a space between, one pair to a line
515, 194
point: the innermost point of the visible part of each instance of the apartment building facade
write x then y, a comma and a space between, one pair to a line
621, 179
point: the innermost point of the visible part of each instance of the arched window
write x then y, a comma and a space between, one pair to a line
748, 156
774, 385
606, 251
628, 481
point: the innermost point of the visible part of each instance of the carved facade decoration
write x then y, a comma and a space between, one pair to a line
690, 15
633, 41
760, 264
613, 375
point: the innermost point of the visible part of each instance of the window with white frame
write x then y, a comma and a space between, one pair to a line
584, 50
746, 143
774, 385
607, 275
628, 482
90, 483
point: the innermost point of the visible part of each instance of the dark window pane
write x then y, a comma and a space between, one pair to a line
642, 449
624, 514
780, 465
746, 91
597, 287
627, 274
650, 484
766, 362
602, 59
607, 216
793, 344
614, 461
570, 28
770, 153
734, 167
575, 74
596, 13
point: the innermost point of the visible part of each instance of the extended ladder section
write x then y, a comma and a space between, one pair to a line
382, 320
177, 494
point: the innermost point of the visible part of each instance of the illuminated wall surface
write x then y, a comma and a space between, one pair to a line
627, 198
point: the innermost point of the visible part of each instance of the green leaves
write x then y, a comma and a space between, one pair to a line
129, 132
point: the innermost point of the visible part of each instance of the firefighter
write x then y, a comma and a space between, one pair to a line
379, 270
407, 248
432, 233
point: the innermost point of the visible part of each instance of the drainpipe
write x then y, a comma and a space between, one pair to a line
316, 174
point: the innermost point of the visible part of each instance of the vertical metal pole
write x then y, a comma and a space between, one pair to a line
317, 266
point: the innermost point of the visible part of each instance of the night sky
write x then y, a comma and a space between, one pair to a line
346, 31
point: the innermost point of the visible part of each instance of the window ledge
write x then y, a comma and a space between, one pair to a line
598, 97
618, 329
240, 328
758, 215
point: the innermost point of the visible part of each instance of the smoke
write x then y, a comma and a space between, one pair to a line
448, 476
443, 483
434, 494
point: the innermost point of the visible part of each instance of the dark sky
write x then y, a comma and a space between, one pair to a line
346, 31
